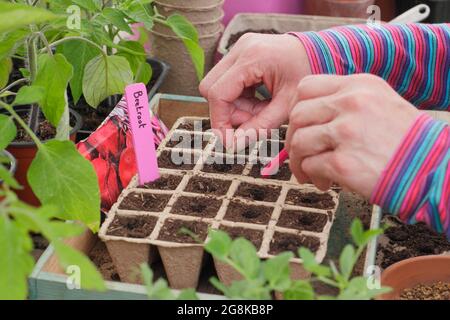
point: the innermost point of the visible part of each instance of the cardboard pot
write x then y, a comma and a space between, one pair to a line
25, 152
191, 4
409, 273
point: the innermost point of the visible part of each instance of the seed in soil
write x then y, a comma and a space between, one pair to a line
198, 126
181, 231
310, 199
208, 186
205, 207
302, 220
254, 236
145, 202
187, 141
165, 182
224, 165
132, 226
241, 212
283, 242
270, 148
258, 192
435, 291
284, 173
182, 160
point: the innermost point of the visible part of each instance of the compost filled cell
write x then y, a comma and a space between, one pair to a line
258, 192
177, 160
283, 174
302, 220
165, 182
310, 199
254, 236
223, 165
132, 226
208, 186
145, 202
241, 212
187, 141
198, 126
283, 242
180, 231
270, 148
197, 207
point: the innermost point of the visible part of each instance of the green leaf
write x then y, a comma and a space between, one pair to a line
14, 15
357, 232
10, 41
78, 54
104, 77
16, 262
54, 73
219, 245
90, 278
300, 290
311, 265
140, 12
8, 131
74, 186
277, 271
144, 73
188, 294
29, 95
90, 5
358, 289
347, 261
7, 178
135, 60
5, 70
243, 253
117, 18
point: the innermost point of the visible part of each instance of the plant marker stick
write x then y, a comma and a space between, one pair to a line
142, 132
274, 165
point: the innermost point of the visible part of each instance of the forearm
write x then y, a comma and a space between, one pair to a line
416, 183
414, 59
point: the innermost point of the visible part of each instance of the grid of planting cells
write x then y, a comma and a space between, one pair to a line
172, 215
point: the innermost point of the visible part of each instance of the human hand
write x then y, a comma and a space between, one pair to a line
278, 61
345, 129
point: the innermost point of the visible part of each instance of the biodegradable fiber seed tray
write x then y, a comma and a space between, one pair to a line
172, 215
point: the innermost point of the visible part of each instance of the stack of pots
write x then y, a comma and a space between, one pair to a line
206, 16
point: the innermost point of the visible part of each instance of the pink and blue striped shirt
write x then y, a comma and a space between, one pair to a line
415, 60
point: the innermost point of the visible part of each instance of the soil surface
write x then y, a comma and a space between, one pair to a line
240, 212
282, 242
401, 241
39, 245
270, 148
132, 227
258, 192
254, 236
219, 148
186, 141
197, 207
100, 257
165, 161
301, 220
180, 231
284, 173
44, 132
221, 166
310, 199
145, 202
204, 126
165, 182
282, 132
436, 291
208, 186
236, 36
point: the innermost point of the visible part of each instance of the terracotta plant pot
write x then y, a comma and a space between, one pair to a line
25, 152
409, 273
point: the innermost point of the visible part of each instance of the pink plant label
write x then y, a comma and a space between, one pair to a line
141, 130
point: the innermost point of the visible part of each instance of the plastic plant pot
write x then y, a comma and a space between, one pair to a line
12, 165
409, 273
25, 152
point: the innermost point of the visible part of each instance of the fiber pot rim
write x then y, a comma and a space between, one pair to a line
75, 129
218, 4
207, 36
12, 161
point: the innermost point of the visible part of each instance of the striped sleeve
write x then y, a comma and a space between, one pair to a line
413, 58
415, 185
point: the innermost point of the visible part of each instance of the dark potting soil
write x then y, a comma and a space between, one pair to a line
44, 132
284, 172
187, 141
200, 126
219, 148
270, 148
402, 241
208, 186
40, 244
282, 242
258, 192
165, 182
145, 202
181, 231
241, 212
102, 260
180, 161
132, 226
222, 165
281, 135
310, 199
236, 36
204, 207
435, 291
254, 236
302, 220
